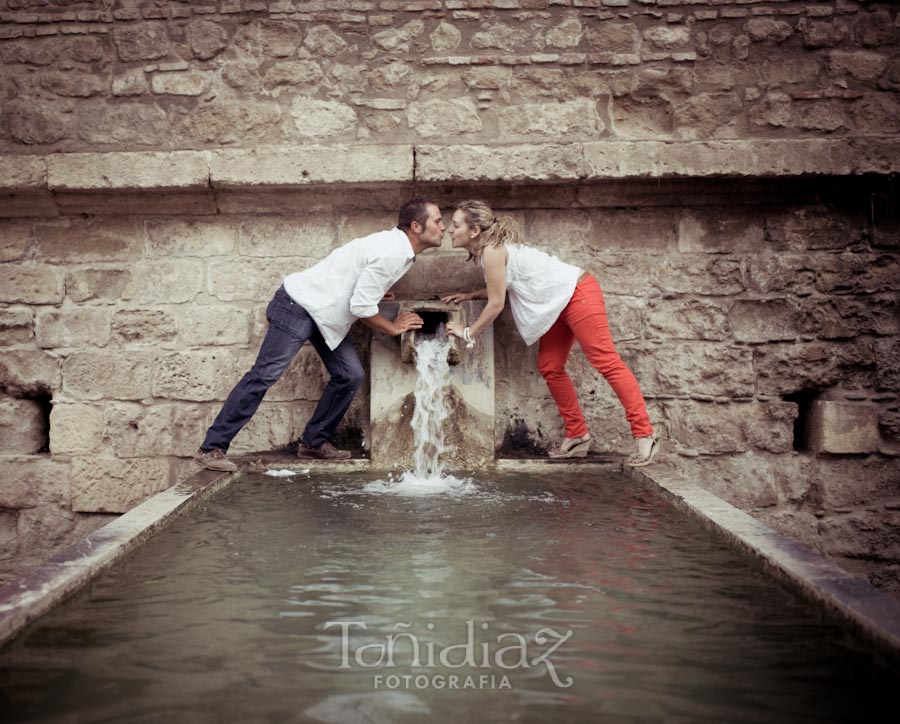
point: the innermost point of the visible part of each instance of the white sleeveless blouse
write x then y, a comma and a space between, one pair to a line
538, 286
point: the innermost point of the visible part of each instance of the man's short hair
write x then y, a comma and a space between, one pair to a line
414, 210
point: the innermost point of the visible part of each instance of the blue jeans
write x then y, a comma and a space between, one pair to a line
290, 326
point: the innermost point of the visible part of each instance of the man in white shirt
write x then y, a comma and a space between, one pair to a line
320, 304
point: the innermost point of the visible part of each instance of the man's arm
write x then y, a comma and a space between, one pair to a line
403, 322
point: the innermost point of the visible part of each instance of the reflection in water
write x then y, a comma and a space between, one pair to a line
328, 600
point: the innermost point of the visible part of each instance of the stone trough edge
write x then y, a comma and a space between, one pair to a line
870, 612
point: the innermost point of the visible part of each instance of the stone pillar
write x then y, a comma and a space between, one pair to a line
469, 429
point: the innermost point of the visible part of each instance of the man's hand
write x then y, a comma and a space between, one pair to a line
457, 298
407, 321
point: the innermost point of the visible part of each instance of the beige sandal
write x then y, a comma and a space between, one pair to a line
638, 461
578, 449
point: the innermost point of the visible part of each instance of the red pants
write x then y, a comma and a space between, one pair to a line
584, 319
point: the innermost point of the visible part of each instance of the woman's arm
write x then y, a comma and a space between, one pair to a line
494, 258
458, 297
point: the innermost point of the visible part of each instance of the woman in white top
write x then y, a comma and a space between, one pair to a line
555, 303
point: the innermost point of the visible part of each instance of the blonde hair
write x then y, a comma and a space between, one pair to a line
495, 230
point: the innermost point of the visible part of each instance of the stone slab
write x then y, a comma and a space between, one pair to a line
307, 165
122, 171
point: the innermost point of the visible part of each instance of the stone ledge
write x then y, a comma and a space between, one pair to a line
872, 613
47, 185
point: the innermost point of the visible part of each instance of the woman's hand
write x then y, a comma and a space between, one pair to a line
406, 321
457, 298
455, 328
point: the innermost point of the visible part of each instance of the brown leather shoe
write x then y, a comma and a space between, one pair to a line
215, 459
325, 451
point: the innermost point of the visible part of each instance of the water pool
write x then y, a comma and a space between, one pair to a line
561, 598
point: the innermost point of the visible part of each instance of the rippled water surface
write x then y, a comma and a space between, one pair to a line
567, 598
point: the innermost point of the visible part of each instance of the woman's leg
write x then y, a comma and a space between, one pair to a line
553, 352
586, 316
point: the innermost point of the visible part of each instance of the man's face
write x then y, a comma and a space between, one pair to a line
433, 233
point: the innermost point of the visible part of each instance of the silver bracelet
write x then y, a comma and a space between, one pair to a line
467, 336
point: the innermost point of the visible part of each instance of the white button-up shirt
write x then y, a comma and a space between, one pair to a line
350, 281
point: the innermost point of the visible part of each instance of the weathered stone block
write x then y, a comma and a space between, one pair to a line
611, 37
270, 429
76, 428
769, 30
293, 73
322, 41
814, 227
252, 280
716, 429
23, 173
207, 39
818, 34
858, 274
844, 482
190, 238
686, 319
542, 162
316, 118
112, 485
841, 427
137, 431
73, 84
144, 326
108, 375
22, 426
218, 121
9, 536
131, 83
14, 236
278, 236
859, 64
550, 120
44, 528
71, 327
77, 240
26, 370
218, 325
103, 171
683, 369
875, 28
641, 118
29, 481
764, 320
704, 114
16, 325
31, 284
751, 480
887, 358
107, 284
716, 233
848, 317
438, 117
310, 165
783, 369
198, 376
165, 282
280, 39
141, 42
711, 276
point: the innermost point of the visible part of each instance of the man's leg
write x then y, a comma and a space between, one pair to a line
347, 374
289, 328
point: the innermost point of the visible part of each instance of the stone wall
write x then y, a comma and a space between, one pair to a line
148, 74
725, 167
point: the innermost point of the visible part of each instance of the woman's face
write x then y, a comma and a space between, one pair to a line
461, 234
